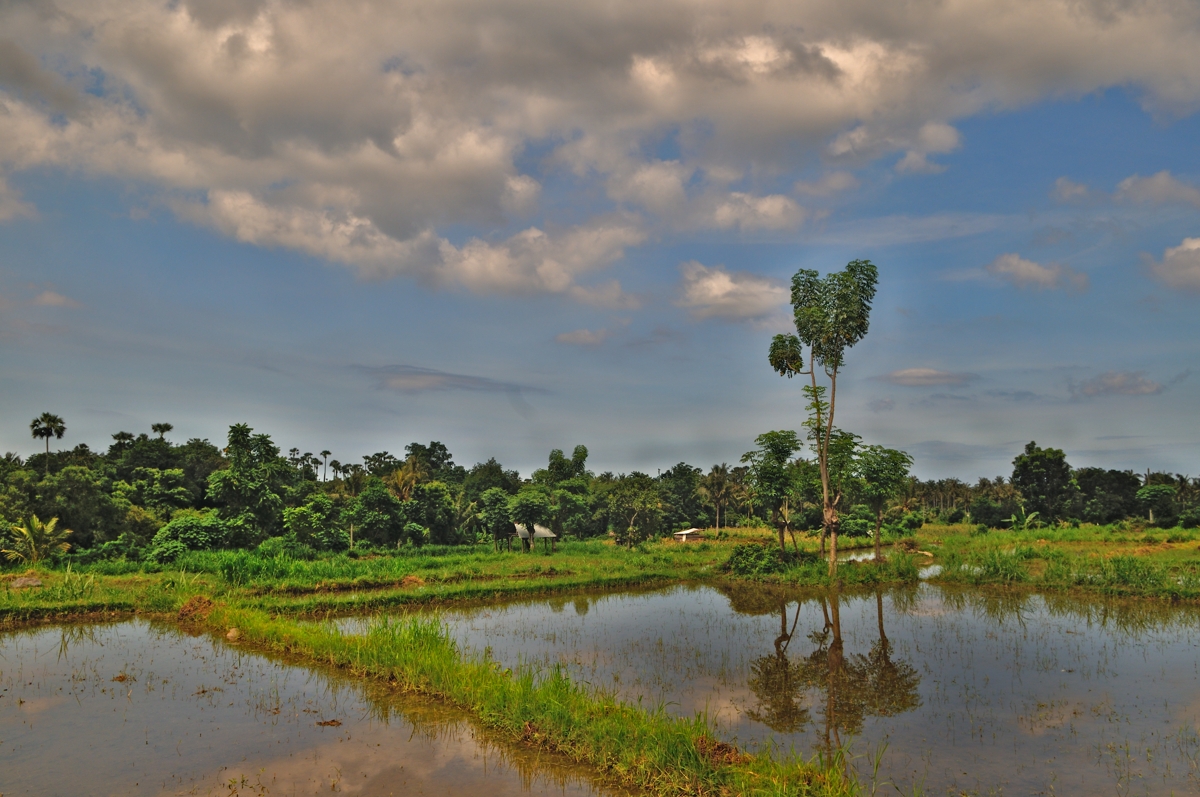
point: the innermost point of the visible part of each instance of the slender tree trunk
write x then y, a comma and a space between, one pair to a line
878, 526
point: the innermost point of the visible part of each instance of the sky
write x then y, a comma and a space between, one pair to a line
518, 225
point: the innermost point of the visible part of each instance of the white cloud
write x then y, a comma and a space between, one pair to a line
737, 296
1159, 189
53, 299
11, 206
1119, 383
360, 133
927, 377
583, 337
1180, 266
1066, 190
530, 261
1028, 274
747, 212
832, 183
933, 137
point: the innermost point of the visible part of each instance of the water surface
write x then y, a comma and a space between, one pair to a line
142, 709
961, 691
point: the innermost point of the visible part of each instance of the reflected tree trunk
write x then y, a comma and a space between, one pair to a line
836, 663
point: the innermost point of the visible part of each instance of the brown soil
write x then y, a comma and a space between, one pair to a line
197, 607
719, 753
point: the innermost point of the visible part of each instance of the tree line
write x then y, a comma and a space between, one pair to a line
147, 496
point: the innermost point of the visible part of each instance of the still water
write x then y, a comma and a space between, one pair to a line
134, 708
959, 691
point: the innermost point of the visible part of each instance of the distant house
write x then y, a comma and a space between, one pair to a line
688, 535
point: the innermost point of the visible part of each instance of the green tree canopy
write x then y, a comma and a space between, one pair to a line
1043, 477
831, 315
882, 473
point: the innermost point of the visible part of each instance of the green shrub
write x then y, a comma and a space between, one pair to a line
194, 532
752, 560
167, 552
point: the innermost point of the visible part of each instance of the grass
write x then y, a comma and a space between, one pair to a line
630, 745
1160, 563
267, 597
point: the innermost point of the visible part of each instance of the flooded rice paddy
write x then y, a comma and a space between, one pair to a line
951, 691
134, 708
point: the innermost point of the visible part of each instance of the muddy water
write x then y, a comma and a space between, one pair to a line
958, 691
137, 709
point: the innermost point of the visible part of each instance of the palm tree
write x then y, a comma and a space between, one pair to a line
161, 429
402, 480
325, 465
717, 487
47, 425
34, 540
122, 440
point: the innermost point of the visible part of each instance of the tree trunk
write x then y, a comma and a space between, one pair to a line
831, 523
878, 526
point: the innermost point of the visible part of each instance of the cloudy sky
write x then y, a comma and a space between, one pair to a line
515, 225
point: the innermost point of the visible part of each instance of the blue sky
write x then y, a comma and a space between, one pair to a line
353, 230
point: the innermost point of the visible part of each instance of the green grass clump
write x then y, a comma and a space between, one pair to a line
645, 749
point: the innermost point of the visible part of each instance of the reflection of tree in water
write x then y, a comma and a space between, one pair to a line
777, 683
854, 686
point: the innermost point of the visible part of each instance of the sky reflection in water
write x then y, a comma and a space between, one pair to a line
138, 709
970, 691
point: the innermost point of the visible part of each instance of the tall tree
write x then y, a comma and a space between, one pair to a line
883, 472
45, 426
831, 316
770, 474
161, 429
717, 487
1045, 481
325, 465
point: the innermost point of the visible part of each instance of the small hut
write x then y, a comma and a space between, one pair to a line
548, 537
688, 535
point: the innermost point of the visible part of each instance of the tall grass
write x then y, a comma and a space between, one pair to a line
645, 749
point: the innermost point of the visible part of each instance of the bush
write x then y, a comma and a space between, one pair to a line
1190, 518
195, 532
286, 546
752, 560
912, 521
167, 552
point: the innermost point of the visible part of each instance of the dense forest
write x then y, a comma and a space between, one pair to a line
149, 498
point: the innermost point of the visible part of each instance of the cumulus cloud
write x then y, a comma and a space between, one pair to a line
1180, 266
1159, 189
360, 133
1027, 274
583, 337
530, 261
54, 299
1119, 383
747, 212
931, 138
733, 296
928, 377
